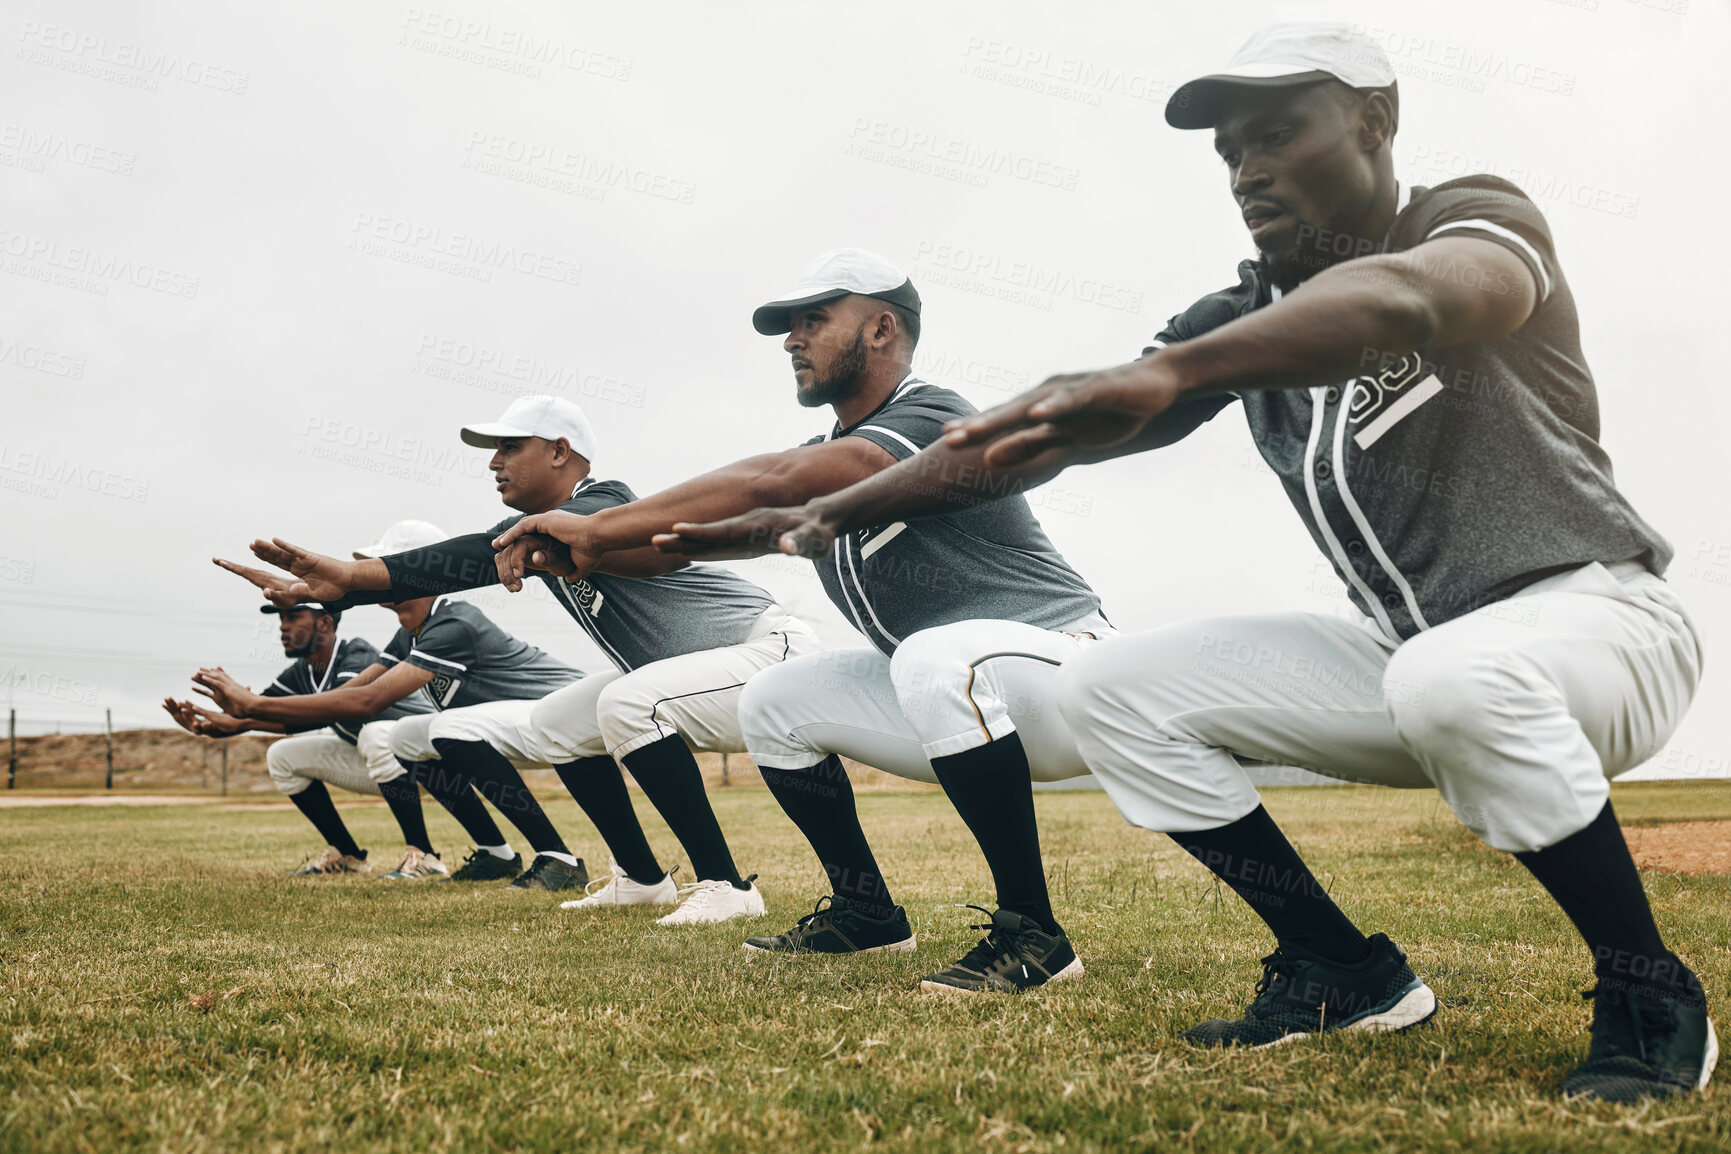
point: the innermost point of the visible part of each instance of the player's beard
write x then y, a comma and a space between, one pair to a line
849, 366
300, 650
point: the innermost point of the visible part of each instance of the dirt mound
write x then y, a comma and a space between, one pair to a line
1686, 847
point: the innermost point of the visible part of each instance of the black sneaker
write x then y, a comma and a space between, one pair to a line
1299, 995
1649, 1041
549, 873
1016, 954
838, 927
482, 866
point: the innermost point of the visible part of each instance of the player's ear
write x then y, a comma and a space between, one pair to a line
884, 328
1376, 121
561, 451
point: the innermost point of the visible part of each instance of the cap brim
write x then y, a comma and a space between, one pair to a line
1198, 103
776, 317
487, 436
314, 606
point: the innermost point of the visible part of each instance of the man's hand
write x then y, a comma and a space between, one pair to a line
548, 534
533, 551
203, 722
324, 578
1075, 411
231, 696
801, 531
280, 591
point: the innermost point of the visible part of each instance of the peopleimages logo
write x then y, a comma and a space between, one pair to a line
122, 61
1016, 281
36, 473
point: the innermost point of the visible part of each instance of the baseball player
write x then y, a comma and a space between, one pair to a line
346, 756
1410, 363
683, 642
969, 616
477, 677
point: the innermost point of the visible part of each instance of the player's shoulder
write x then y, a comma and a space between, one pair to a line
356, 649
914, 394
452, 613
597, 495
1479, 194
1217, 308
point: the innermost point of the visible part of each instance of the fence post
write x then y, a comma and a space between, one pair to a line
724, 780
108, 729
225, 769
12, 755
204, 764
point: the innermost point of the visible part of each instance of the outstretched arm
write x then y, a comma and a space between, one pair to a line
613, 540
372, 691
207, 723
1441, 293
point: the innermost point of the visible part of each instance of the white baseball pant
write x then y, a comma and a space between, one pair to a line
694, 695
296, 762
504, 725
1518, 713
947, 689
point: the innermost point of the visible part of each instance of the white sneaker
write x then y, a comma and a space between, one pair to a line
715, 901
619, 890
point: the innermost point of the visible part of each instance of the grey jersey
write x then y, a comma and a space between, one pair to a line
1450, 478
990, 561
474, 661
634, 621
348, 659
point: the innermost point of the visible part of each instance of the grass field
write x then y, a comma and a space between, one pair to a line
163, 986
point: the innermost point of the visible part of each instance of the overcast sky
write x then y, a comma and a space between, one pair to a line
260, 264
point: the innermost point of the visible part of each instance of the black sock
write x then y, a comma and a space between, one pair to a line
452, 791
1253, 857
404, 798
991, 788
1592, 875
315, 802
671, 780
820, 802
498, 781
599, 789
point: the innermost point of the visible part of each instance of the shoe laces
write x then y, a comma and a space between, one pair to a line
1275, 967
542, 861
1622, 1023
699, 894
997, 942
822, 914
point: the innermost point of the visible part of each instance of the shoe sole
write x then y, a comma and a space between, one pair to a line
1415, 1007
1073, 970
712, 921
905, 946
586, 904
1710, 1060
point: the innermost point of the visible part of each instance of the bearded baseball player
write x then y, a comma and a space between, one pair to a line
969, 617
349, 756
1516, 647
683, 642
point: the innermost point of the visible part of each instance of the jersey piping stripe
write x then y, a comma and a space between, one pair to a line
1317, 416
277, 681
973, 668
1508, 235
413, 653
860, 585
912, 448
1357, 514
583, 620
841, 583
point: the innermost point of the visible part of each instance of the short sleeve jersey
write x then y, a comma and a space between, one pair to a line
1446, 479
634, 621
350, 657
990, 561
474, 661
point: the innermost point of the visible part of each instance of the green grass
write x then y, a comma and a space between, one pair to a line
358, 1015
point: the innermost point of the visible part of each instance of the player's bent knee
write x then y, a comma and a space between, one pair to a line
1437, 697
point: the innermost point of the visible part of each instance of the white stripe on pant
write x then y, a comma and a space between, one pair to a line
947, 689
1519, 713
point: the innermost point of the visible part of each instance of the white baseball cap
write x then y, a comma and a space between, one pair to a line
838, 273
402, 537
1281, 55
541, 416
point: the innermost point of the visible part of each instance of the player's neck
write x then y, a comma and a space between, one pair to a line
319, 659
876, 384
